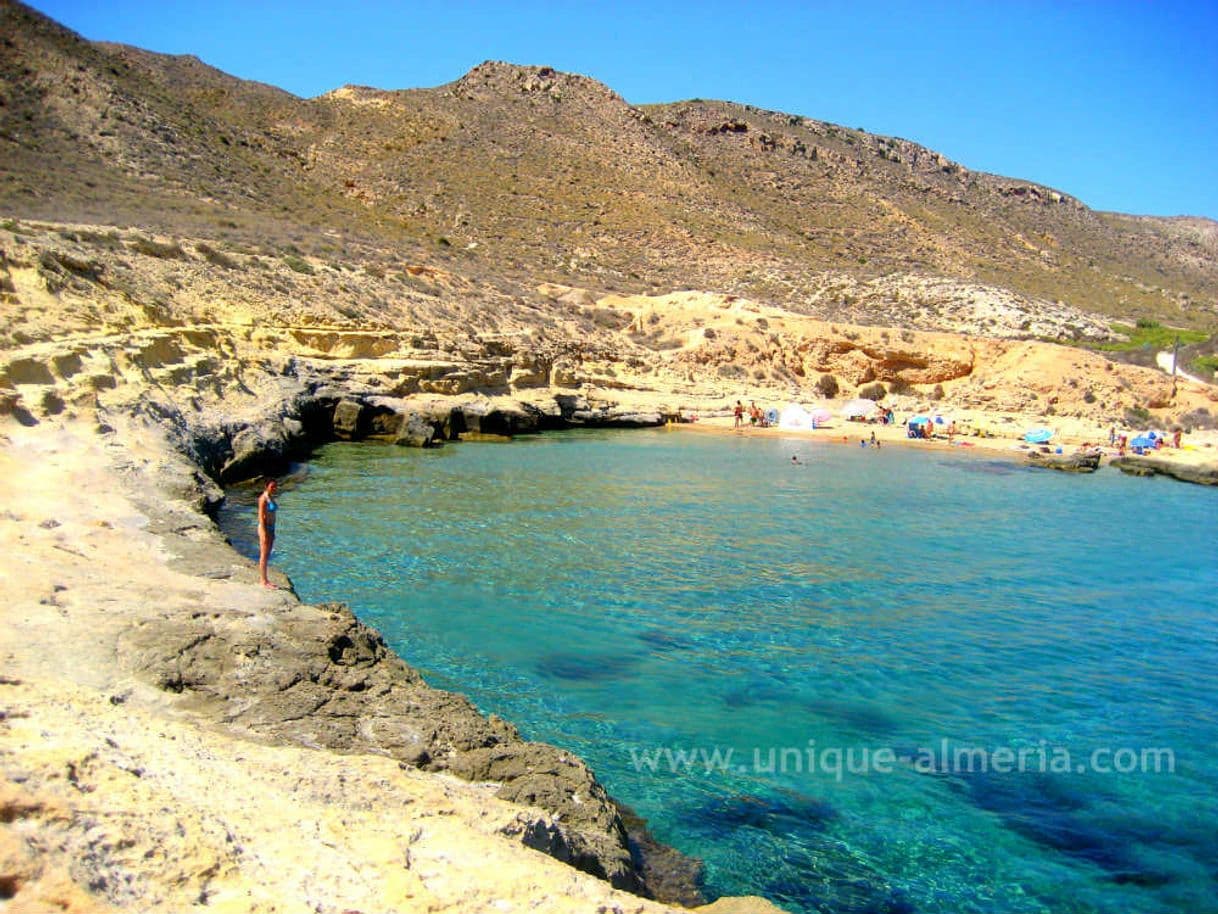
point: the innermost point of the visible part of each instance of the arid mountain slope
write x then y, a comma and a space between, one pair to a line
522, 174
95, 133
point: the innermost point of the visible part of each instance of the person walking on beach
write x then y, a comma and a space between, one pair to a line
267, 509
739, 414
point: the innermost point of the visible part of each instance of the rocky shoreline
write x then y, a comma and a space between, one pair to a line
1199, 474
331, 681
315, 676
322, 413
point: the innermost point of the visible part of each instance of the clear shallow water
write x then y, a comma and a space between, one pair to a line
623, 594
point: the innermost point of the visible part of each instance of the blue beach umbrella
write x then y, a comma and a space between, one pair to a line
919, 420
1142, 441
1038, 436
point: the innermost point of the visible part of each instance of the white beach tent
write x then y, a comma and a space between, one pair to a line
860, 409
794, 416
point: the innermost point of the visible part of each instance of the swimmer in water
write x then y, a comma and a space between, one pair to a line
267, 509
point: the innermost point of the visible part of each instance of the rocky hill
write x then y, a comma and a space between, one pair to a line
515, 175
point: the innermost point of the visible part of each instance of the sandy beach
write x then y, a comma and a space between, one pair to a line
1198, 449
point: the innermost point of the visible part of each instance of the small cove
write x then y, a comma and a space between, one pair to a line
634, 595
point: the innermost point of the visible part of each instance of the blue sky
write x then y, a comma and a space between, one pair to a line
1115, 102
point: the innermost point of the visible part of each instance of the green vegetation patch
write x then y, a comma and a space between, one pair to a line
1206, 364
299, 264
1152, 334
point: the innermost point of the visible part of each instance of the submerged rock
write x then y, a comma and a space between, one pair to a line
1081, 462
744, 904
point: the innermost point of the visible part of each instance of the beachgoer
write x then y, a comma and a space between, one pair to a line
794, 458
754, 413
1112, 436
267, 509
862, 442
1175, 438
738, 412
873, 441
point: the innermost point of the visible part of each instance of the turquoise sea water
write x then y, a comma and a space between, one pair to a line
637, 595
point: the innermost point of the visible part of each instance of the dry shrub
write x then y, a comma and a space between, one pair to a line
827, 386
152, 248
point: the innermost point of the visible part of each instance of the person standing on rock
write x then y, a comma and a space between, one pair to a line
267, 509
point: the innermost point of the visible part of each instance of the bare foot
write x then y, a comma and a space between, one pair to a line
270, 586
